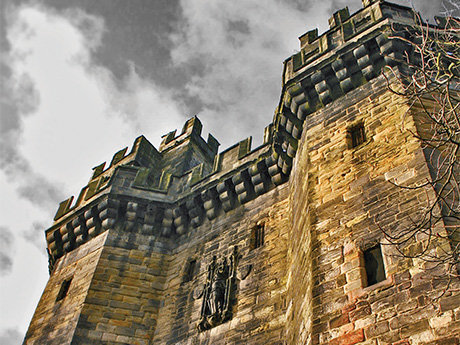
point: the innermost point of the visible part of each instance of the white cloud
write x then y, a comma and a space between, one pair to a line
21, 289
146, 107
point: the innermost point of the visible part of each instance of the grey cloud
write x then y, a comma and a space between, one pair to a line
19, 98
6, 251
41, 192
25, 96
35, 235
238, 31
233, 57
11, 336
31, 186
9, 119
6, 264
92, 27
240, 26
428, 8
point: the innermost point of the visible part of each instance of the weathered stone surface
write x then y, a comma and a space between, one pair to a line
160, 246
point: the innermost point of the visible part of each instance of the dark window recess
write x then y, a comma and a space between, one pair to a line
357, 136
190, 270
64, 289
373, 262
257, 237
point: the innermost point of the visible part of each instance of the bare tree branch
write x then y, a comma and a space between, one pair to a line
428, 75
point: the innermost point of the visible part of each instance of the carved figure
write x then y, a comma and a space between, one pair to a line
218, 294
218, 286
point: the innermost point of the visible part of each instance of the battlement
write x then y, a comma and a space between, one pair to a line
183, 183
280, 243
343, 28
191, 131
143, 153
189, 181
347, 33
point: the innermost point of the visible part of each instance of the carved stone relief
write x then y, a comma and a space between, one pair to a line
219, 292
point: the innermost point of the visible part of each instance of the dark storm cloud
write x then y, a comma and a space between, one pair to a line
11, 336
6, 251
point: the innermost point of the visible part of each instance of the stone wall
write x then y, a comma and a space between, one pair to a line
283, 244
126, 291
258, 314
351, 199
55, 321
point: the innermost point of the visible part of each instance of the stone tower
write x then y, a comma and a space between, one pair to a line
281, 244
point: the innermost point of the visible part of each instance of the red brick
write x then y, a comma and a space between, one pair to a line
349, 338
339, 321
348, 307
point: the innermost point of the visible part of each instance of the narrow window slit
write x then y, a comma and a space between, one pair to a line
257, 237
356, 135
375, 269
190, 270
63, 291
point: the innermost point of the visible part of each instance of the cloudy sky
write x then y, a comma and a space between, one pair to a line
81, 79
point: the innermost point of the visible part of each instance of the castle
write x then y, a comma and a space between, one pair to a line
281, 244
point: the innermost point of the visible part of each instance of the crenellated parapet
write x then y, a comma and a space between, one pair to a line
345, 35
166, 193
143, 154
350, 54
286, 242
